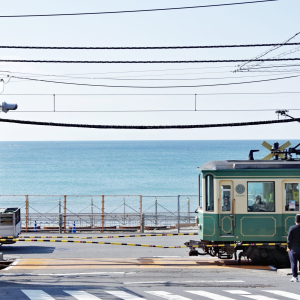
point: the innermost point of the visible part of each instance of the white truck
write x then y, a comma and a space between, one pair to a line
10, 223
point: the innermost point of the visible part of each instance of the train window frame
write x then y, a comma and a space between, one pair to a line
263, 205
209, 193
290, 204
200, 183
226, 196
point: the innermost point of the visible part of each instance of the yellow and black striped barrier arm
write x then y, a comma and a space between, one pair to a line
140, 245
138, 235
85, 242
98, 237
44, 237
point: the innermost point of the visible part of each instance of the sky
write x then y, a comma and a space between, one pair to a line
143, 98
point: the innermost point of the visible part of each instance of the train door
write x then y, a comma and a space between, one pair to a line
291, 204
226, 209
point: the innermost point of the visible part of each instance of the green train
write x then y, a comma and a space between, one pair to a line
247, 206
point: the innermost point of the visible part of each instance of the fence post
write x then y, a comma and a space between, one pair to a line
188, 210
26, 212
59, 206
141, 212
155, 211
102, 213
143, 223
124, 217
60, 222
92, 211
59, 213
178, 207
65, 213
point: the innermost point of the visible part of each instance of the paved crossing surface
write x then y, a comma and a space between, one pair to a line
77, 272
115, 263
185, 294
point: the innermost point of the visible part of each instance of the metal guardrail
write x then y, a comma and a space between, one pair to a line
102, 212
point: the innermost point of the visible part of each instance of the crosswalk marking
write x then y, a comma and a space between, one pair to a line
81, 295
210, 295
237, 292
284, 294
124, 295
37, 295
167, 295
259, 297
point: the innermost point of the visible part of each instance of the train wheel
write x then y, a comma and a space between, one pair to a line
193, 252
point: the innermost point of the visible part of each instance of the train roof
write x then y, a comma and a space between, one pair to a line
250, 164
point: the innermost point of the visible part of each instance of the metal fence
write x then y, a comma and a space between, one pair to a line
103, 212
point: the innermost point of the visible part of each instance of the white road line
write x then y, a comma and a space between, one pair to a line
189, 281
12, 264
81, 295
284, 294
215, 281
167, 295
259, 297
145, 282
37, 295
160, 256
123, 295
210, 295
67, 274
237, 292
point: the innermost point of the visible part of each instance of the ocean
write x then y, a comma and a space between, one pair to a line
148, 168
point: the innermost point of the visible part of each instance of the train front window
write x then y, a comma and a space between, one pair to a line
261, 196
292, 197
209, 187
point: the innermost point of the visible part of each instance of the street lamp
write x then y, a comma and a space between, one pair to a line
5, 107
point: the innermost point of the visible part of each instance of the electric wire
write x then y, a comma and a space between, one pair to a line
165, 79
155, 94
145, 48
155, 87
120, 76
153, 110
142, 61
126, 72
257, 58
150, 126
135, 11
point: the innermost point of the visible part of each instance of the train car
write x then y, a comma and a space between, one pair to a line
248, 206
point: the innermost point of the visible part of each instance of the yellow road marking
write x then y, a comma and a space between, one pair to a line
117, 263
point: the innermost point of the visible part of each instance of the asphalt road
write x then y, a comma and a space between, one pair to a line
47, 271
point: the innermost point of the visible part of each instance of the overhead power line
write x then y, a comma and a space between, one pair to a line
145, 48
154, 87
134, 11
142, 61
150, 126
152, 110
155, 94
256, 59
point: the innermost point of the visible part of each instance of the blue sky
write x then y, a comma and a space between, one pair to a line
270, 22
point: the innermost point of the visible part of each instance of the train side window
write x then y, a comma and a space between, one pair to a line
209, 187
261, 196
226, 197
292, 197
